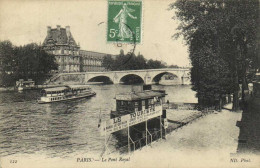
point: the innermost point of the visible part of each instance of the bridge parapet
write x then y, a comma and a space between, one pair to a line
147, 75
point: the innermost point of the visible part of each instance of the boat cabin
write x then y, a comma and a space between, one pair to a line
64, 90
51, 92
127, 103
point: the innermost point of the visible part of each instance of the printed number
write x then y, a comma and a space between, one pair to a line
112, 33
13, 161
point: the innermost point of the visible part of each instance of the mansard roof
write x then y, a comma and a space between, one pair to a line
59, 36
86, 53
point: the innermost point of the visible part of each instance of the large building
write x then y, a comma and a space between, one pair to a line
60, 42
91, 61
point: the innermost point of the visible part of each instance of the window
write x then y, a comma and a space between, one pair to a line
146, 104
140, 105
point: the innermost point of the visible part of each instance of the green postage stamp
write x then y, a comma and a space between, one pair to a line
124, 21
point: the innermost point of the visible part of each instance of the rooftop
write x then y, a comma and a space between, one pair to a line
139, 95
55, 89
61, 88
59, 36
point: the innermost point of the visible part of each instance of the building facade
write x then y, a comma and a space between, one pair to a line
60, 42
91, 61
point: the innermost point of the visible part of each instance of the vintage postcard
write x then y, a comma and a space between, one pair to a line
129, 83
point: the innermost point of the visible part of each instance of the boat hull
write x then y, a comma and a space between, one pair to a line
68, 98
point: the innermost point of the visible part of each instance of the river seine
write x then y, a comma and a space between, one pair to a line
63, 128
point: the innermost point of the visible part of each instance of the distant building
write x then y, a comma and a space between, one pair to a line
91, 61
60, 42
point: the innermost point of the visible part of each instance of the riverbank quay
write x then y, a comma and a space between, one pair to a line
206, 142
4, 89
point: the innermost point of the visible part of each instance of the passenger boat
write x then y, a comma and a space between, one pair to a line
25, 85
64, 93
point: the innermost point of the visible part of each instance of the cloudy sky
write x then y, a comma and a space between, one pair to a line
26, 21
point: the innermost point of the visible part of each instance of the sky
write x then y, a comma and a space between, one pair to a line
26, 21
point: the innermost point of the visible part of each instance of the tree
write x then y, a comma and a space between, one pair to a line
24, 62
32, 60
155, 64
6, 63
6, 56
108, 62
173, 66
130, 62
224, 31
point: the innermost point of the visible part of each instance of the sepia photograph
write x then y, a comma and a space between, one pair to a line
129, 83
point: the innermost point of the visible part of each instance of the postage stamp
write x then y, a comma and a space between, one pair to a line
124, 21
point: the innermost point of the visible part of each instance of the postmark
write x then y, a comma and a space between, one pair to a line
124, 21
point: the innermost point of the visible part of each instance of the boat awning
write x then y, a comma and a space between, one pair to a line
56, 89
77, 86
139, 95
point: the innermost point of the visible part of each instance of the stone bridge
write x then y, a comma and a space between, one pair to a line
146, 76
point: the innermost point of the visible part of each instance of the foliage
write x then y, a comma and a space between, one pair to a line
130, 62
24, 62
154, 64
222, 43
173, 66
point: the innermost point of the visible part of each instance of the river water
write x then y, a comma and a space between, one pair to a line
63, 128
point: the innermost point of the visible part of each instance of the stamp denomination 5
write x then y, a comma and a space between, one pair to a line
124, 21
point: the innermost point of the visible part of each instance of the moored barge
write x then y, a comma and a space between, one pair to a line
25, 85
139, 116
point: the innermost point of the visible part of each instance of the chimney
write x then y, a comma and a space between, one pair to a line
48, 30
68, 31
67, 28
58, 27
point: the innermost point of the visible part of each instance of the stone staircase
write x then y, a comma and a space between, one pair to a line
52, 79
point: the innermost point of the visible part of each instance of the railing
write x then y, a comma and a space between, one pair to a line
132, 142
137, 144
150, 136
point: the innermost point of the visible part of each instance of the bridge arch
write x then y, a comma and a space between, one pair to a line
101, 78
131, 79
158, 77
